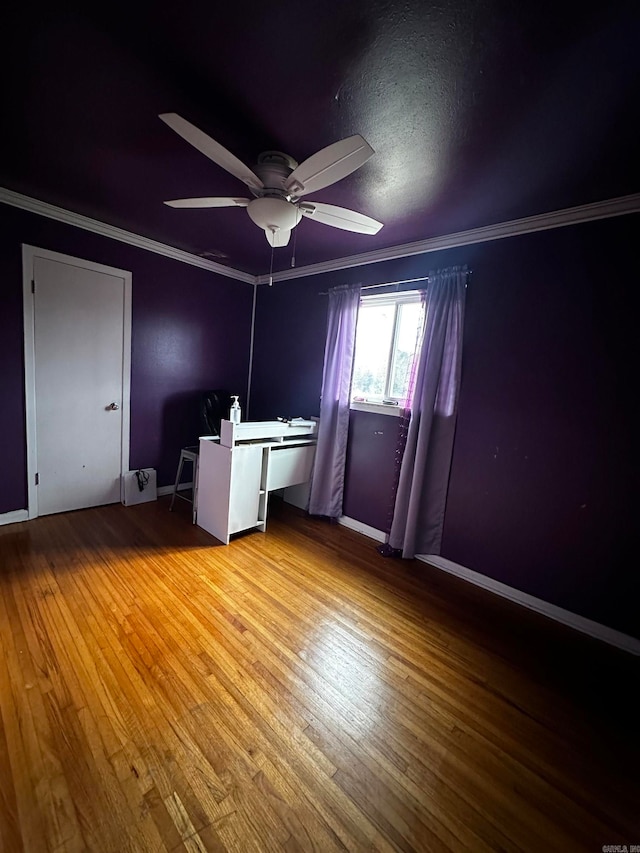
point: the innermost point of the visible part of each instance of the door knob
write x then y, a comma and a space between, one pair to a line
113, 407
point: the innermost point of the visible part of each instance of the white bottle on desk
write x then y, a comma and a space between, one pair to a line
234, 412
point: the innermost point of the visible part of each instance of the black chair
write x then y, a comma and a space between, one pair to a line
214, 406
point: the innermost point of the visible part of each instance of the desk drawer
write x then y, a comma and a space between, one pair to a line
289, 466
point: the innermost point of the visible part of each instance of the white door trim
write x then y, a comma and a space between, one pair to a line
29, 253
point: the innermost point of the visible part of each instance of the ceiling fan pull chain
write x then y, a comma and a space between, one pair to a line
293, 253
271, 269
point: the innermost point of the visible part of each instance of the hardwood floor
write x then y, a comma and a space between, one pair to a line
292, 691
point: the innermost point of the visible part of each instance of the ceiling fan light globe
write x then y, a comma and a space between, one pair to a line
273, 214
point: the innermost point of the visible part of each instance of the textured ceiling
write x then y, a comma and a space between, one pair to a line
479, 112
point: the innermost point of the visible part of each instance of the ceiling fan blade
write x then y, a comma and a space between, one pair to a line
278, 238
329, 165
212, 149
340, 217
208, 202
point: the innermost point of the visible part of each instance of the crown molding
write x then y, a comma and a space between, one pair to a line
42, 208
513, 228
516, 227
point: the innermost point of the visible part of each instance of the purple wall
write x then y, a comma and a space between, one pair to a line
541, 491
190, 332
13, 449
289, 344
541, 488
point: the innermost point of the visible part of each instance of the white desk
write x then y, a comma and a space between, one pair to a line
251, 459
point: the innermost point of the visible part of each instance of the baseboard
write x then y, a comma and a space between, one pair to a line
558, 614
168, 490
365, 529
14, 517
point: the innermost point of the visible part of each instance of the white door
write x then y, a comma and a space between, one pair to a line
78, 383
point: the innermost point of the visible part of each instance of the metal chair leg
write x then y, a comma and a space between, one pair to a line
177, 482
196, 471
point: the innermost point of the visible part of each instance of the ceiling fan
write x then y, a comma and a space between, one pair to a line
278, 182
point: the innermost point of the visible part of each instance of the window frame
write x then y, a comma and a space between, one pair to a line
388, 404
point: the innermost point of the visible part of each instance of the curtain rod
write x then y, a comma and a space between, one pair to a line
392, 283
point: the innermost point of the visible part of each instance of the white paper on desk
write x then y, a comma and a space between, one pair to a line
300, 422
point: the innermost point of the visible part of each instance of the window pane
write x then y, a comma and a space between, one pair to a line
406, 342
373, 347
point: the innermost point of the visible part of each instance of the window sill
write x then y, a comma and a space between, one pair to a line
377, 408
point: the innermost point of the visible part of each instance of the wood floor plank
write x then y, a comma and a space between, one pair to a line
10, 830
149, 652
351, 733
46, 792
291, 691
250, 717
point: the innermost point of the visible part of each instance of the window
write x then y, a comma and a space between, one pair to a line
386, 340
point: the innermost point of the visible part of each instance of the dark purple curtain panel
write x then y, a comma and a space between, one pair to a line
418, 516
327, 484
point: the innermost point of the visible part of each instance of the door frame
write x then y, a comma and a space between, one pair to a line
29, 254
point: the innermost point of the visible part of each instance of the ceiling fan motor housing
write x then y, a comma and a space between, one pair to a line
273, 168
